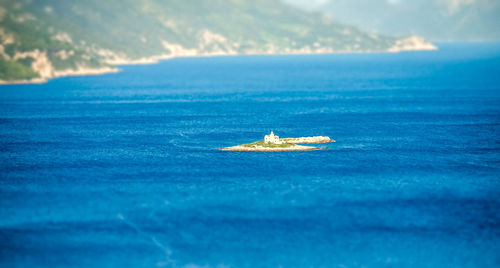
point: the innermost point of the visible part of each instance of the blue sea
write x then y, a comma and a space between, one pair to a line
124, 170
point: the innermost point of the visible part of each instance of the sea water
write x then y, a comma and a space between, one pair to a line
124, 170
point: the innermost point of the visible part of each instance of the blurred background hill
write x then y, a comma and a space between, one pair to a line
49, 38
436, 20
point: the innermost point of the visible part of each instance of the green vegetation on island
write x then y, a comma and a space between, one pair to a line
268, 145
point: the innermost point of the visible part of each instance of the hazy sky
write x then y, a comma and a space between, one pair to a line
439, 20
451, 5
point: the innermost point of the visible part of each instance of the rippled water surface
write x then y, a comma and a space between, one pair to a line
123, 170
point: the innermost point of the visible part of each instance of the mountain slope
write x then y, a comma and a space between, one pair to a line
48, 38
436, 20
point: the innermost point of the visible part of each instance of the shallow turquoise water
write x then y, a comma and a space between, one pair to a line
124, 169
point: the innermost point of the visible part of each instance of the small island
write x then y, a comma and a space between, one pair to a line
273, 143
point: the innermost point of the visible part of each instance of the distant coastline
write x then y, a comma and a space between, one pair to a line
413, 43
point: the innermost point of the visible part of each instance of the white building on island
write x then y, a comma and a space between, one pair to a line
271, 138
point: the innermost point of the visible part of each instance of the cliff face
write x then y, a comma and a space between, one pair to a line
47, 38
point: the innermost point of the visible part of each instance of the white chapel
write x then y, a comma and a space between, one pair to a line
271, 138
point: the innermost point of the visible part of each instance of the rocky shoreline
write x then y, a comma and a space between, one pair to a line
241, 148
63, 73
308, 140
